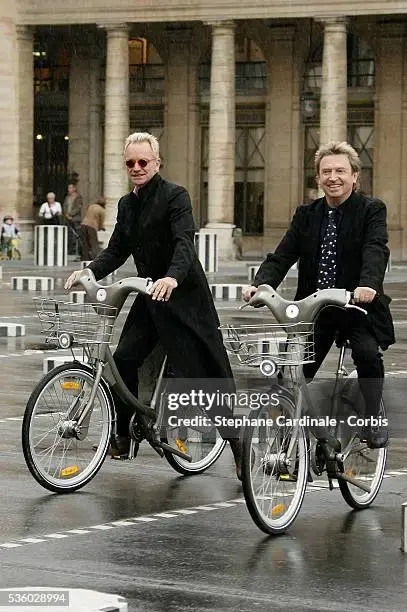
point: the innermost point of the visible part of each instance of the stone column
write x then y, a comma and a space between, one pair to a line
26, 120
334, 90
9, 115
282, 125
95, 148
391, 132
115, 183
79, 102
222, 112
25, 96
180, 118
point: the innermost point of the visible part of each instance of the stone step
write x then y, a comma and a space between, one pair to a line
11, 330
32, 283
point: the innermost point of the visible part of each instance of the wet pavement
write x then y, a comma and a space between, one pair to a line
171, 543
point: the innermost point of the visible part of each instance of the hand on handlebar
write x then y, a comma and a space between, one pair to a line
363, 295
248, 291
162, 288
73, 279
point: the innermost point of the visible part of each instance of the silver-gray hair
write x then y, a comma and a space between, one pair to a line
51, 194
143, 137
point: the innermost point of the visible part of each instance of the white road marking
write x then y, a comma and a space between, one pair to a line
33, 540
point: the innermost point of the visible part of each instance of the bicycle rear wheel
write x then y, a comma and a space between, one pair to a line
364, 464
274, 483
60, 459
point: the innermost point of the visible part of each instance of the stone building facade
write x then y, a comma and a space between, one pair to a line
240, 97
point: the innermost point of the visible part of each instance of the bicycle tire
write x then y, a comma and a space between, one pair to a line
198, 466
259, 463
45, 402
357, 498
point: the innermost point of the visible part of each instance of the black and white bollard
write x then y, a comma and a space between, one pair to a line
228, 291
32, 283
404, 527
77, 297
206, 246
51, 245
52, 361
12, 330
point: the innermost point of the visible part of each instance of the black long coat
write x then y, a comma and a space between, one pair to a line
157, 229
362, 255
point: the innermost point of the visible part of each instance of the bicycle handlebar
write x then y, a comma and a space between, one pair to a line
115, 294
305, 310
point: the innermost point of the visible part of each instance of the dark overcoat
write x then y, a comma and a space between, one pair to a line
157, 228
362, 255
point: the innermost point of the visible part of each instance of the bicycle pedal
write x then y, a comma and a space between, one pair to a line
120, 457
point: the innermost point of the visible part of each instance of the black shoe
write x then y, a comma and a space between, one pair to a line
120, 447
375, 437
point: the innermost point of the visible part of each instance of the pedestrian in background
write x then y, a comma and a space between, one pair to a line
92, 223
73, 205
50, 212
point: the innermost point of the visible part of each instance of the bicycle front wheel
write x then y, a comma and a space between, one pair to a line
59, 456
275, 467
366, 465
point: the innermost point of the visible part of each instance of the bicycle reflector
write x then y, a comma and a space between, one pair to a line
69, 471
71, 385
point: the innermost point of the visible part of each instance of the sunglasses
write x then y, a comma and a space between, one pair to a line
130, 163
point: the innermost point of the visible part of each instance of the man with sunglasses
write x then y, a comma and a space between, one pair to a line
155, 225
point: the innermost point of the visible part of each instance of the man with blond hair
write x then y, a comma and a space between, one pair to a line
155, 225
340, 240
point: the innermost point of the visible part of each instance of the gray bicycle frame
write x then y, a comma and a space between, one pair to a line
115, 296
306, 310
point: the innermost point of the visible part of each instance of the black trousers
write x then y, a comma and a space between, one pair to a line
365, 351
187, 359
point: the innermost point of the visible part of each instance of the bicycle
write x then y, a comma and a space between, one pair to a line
9, 249
277, 452
70, 416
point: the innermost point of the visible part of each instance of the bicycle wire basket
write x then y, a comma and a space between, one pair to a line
87, 324
290, 344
